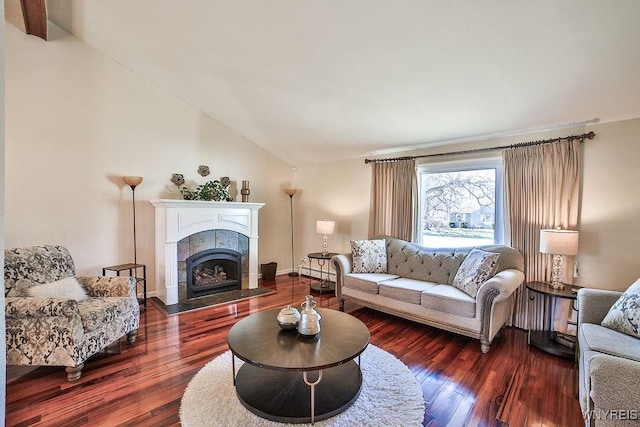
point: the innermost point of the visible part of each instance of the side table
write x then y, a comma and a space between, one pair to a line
546, 340
133, 272
324, 284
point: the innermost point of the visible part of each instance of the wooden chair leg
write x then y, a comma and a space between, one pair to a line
485, 345
131, 336
74, 372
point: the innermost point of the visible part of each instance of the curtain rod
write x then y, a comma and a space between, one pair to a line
582, 137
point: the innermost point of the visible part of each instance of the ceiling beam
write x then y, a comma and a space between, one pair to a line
35, 17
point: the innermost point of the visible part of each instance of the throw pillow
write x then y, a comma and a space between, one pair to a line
624, 315
478, 267
20, 288
68, 288
369, 256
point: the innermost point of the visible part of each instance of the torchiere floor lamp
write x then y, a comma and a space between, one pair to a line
290, 192
133, 182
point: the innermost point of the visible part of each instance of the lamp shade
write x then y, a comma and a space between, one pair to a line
325, 227
290, 191
132, 181
559, 242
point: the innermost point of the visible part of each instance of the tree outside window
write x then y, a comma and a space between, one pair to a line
458, 207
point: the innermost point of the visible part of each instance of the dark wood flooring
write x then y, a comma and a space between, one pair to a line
142, 384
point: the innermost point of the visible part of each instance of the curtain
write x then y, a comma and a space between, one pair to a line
393, 189
542, 190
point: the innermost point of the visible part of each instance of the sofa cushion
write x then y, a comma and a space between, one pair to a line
68, 288
96, 312
624, 315
604, 340
449, 300
475, 270
401, 289
366, 282
369, 256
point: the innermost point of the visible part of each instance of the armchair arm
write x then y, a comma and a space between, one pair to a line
30, 307
109, 286
594, 304
44, 331
501, 286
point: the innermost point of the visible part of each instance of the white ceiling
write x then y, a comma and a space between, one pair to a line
317, 81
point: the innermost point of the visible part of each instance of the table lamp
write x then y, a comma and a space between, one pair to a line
325, 227
558, 243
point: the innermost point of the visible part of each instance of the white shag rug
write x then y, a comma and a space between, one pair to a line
390, 396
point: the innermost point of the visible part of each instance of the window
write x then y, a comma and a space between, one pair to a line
461, 203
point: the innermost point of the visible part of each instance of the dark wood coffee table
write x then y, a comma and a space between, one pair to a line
292, 378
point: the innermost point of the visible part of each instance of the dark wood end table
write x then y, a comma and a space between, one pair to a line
292, 378
545, 340
324, 284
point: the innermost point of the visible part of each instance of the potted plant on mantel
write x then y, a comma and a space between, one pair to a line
216, 190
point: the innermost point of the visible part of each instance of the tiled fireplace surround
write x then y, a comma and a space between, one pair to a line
211, 239
185, 227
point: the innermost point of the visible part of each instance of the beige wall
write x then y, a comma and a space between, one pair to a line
610, 214
78, 121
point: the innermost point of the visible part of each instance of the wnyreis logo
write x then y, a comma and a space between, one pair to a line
612, 414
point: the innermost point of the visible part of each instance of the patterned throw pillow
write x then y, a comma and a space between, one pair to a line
68, 288
20, 288
624, 315
478, 267
369, 256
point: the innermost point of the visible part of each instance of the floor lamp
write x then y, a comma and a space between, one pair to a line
290, 192
133, 182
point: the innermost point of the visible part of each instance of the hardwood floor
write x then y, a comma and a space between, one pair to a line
142, 384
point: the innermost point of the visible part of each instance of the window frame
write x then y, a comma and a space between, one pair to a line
462, 166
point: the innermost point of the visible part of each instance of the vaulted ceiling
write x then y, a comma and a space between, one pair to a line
317, 81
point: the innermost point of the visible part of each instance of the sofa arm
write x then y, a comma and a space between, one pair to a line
501, 286
614, 387
594, 304
342, 264
109, 286
30, 307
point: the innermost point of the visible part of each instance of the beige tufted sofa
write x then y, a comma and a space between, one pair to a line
418, 286
58, 331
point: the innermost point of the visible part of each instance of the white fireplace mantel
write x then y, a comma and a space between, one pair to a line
177, 219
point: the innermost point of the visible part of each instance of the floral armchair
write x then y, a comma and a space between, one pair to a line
54, 318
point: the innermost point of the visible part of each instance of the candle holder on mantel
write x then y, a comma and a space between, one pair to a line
245, 191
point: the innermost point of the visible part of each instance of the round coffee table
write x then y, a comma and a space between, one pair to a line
292, 378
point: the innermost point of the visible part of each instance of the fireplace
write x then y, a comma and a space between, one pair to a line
185, 227
213, 271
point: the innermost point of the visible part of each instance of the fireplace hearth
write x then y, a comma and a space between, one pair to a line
213, 271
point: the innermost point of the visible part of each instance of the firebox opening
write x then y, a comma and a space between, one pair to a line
213, 271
